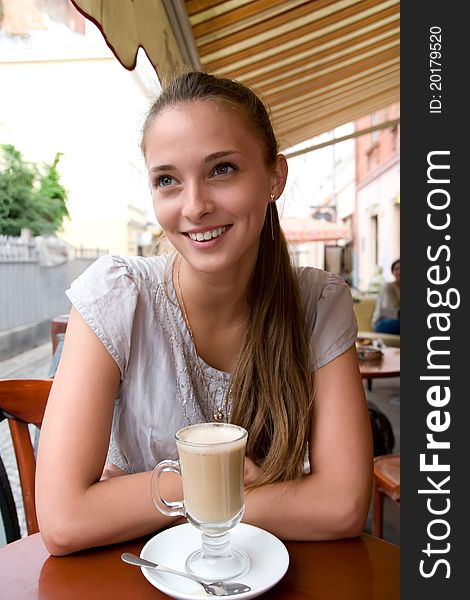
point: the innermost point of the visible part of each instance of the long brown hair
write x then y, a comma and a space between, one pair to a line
271, 383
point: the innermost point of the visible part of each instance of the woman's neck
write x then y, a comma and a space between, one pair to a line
218, 298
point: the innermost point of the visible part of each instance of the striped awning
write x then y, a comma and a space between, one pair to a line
317, 63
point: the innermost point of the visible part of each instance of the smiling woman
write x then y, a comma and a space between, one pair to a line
197, 191
226, 329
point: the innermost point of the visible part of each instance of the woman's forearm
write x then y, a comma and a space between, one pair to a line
308, 509
109, 511
333, 501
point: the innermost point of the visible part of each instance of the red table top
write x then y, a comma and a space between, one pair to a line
387, 366
364, 568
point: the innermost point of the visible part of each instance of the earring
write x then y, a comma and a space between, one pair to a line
271, 215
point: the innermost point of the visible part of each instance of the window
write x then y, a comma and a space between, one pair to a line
374, 136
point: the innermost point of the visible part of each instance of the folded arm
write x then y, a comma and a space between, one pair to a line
331, 502
81, 504
76, 507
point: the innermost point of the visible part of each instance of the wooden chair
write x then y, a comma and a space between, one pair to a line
386, 483
58, 326
7, 505
23, 402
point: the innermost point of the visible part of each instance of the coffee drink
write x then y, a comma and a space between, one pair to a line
211, 457
211, 464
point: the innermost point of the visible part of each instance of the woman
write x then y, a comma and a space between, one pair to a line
224, 329
386, 317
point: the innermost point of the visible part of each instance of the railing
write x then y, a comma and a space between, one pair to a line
87, 253
18, 249
31, 292
15, 249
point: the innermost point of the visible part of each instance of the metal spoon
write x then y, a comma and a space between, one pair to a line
215, 588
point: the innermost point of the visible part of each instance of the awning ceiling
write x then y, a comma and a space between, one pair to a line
317, 63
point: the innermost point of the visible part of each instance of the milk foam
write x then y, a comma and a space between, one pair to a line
209, 435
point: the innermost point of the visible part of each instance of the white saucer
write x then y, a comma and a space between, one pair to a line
268, 557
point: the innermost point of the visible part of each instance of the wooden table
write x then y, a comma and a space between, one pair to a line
387, 366
365, 568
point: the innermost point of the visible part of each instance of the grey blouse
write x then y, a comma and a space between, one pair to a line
131, 305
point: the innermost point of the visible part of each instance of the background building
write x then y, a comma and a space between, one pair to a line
377, 235
64, 91
321, 187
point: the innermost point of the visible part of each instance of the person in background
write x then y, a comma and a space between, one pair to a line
386, 316
223, 329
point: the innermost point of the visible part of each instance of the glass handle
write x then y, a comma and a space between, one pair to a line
171, 509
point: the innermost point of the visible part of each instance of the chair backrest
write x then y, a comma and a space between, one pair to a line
364, 309
58, 325
386, 483
23, 402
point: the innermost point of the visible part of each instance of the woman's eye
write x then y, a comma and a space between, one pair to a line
164, 181
224, 169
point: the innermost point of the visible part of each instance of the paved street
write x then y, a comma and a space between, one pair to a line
28, 365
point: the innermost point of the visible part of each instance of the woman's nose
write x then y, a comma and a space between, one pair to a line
196, 203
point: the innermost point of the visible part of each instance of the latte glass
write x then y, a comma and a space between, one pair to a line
211, 464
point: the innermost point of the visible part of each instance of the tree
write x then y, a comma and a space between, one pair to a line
31, 195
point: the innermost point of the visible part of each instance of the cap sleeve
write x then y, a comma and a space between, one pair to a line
105, 295
331, 322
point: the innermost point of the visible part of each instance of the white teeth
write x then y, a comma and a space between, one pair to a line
207, 235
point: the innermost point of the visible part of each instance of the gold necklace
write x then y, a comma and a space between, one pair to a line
218, 411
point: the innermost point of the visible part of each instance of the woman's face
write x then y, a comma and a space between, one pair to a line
210, 183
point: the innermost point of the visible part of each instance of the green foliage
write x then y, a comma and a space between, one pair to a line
31, 195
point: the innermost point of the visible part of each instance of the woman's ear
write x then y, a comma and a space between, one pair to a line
279, 176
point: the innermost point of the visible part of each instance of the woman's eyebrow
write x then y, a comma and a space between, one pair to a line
221, 154
162, 168
207, 159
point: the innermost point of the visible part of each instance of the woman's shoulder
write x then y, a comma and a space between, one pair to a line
326, 296
120, 269
138, 266
319, 283
109, 292
330, 320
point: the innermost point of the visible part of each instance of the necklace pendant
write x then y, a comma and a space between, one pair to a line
218, 416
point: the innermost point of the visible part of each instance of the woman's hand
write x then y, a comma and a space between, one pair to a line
252, 472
